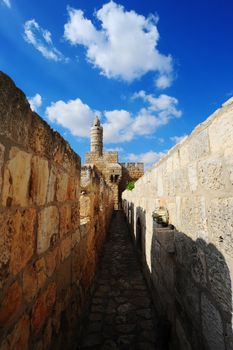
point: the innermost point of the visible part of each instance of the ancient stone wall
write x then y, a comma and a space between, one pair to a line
107, 157
110, 169
189, 264
47, 260
96, 206
111, 157
130, 172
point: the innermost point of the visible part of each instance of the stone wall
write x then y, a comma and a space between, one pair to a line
110, 170
189, 264
46, 257
96, 206
111, 157
107, 157
130, 172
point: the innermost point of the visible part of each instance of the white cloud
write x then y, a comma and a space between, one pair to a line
122, 126
73, 115
35, 102
41, 39
161, 103
119, 125
163, 82
124, 47
148, 158
7, 3
177, 139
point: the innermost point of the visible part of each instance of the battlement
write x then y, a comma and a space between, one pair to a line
111, 157
133, 165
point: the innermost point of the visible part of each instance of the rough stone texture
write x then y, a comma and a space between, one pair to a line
16, 178
62, 184
2, 150
47, 266
18, 339
191, 284
211, 174
51, 184
199, 145
212, 325
43, 307
16, 241
39, 180
11, 303
48, 226
221, 223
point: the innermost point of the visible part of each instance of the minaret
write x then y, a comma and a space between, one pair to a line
97, 137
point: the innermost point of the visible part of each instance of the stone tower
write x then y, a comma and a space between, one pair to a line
97, 137
107, 164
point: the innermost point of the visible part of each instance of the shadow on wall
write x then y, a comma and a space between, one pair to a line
190, 284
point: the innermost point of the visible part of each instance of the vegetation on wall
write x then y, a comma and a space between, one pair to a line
130, 185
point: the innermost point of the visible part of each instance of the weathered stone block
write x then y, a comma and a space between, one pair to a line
85, 206
51, 184
16, 240
212, 325
184, 155
176, 160
229, 166
16, 178
11, 303
198, 264
43, 307
219, 278
75, 216
47, 334
23, 242
2, 150
221, 223
41, 272
160, 184
41, 138
199, 145
61, 187
14, 111
188, 296
221, 134
71, 188
48, 227
192, 177
52, 261
30, 286
193, 217
165, 237
39, 180
210, 174
18, 338
75, 238
181, 181
66, 246
65, 220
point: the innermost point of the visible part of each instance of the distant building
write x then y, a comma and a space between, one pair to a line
117, 175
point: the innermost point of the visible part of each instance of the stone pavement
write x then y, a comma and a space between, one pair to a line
121, 314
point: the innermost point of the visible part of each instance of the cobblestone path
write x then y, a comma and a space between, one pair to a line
121, 314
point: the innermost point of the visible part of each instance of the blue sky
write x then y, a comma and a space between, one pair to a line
151, 70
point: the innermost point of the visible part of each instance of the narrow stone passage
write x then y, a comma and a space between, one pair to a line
121, 312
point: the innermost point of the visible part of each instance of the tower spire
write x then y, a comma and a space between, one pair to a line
97, 137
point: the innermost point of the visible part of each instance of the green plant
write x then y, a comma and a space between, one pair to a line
130, 185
